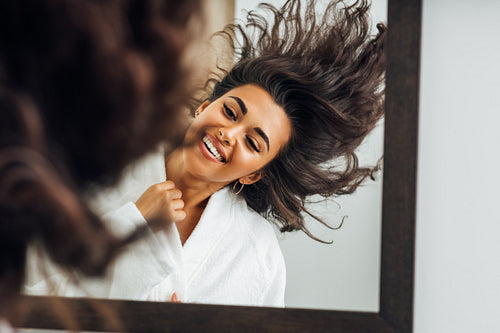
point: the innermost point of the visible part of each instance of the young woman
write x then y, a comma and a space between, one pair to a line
304, 94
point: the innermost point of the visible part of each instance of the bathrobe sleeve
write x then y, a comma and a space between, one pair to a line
121, 215
52, 282
138, 258
145, 264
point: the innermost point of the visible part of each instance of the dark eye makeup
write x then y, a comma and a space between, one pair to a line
229, 112
252, 143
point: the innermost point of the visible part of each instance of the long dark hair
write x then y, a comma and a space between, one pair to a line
85, 88
327, 73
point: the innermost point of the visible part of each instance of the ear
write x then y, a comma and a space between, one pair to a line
252, 178
202, 107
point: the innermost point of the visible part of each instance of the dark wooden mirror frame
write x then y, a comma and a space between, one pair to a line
398, 231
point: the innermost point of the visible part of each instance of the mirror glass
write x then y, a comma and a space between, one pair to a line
343, 275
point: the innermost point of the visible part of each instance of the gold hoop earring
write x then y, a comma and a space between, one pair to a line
241, 188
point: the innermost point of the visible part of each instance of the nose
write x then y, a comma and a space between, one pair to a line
228, 135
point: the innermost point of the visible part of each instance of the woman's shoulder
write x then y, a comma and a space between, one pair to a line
244, 215
264, 244
260, 232
251, 239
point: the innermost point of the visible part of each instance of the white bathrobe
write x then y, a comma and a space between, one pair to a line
231, 257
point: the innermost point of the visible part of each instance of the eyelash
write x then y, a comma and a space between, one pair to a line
229, 112
251, 143
232, 115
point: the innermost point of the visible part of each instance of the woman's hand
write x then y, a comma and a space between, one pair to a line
161, 204
175, 298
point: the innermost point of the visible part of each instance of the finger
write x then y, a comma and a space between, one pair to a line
165, 186
173, 194
176, 204
175, 298
178, 215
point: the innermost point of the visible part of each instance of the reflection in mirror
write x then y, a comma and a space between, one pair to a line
344, 275
220, 251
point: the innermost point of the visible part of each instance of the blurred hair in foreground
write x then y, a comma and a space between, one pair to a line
86, 87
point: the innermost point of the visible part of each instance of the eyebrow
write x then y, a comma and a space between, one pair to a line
242, 105
263, 135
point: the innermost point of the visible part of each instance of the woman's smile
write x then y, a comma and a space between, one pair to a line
212, 149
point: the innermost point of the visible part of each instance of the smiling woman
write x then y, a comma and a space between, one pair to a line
308, 92
247, 129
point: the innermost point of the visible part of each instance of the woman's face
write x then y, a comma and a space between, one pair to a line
235, 136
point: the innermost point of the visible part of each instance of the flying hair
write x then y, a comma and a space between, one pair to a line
327, 71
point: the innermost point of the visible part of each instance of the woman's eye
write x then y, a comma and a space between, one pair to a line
229, 112
253, 145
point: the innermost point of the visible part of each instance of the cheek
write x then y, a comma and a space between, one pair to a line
191, 134
251, 163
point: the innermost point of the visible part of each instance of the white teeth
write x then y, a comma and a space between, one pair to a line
212, 149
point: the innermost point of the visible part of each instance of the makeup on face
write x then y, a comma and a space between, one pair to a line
236, 134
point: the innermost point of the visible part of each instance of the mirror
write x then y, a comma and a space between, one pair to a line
343, 275
396, 263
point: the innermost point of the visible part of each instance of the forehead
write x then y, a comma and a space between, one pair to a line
263, 112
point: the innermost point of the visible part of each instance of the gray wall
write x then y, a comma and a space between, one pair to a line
457, 287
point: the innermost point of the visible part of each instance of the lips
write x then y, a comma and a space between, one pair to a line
214, 147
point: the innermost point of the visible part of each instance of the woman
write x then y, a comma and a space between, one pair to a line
306, 93
84, 86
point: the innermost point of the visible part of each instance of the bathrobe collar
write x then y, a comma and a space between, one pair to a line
213, 225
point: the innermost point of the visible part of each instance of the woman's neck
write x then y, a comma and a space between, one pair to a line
195, 191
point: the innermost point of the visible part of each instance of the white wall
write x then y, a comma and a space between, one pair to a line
346, 274
457, 287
